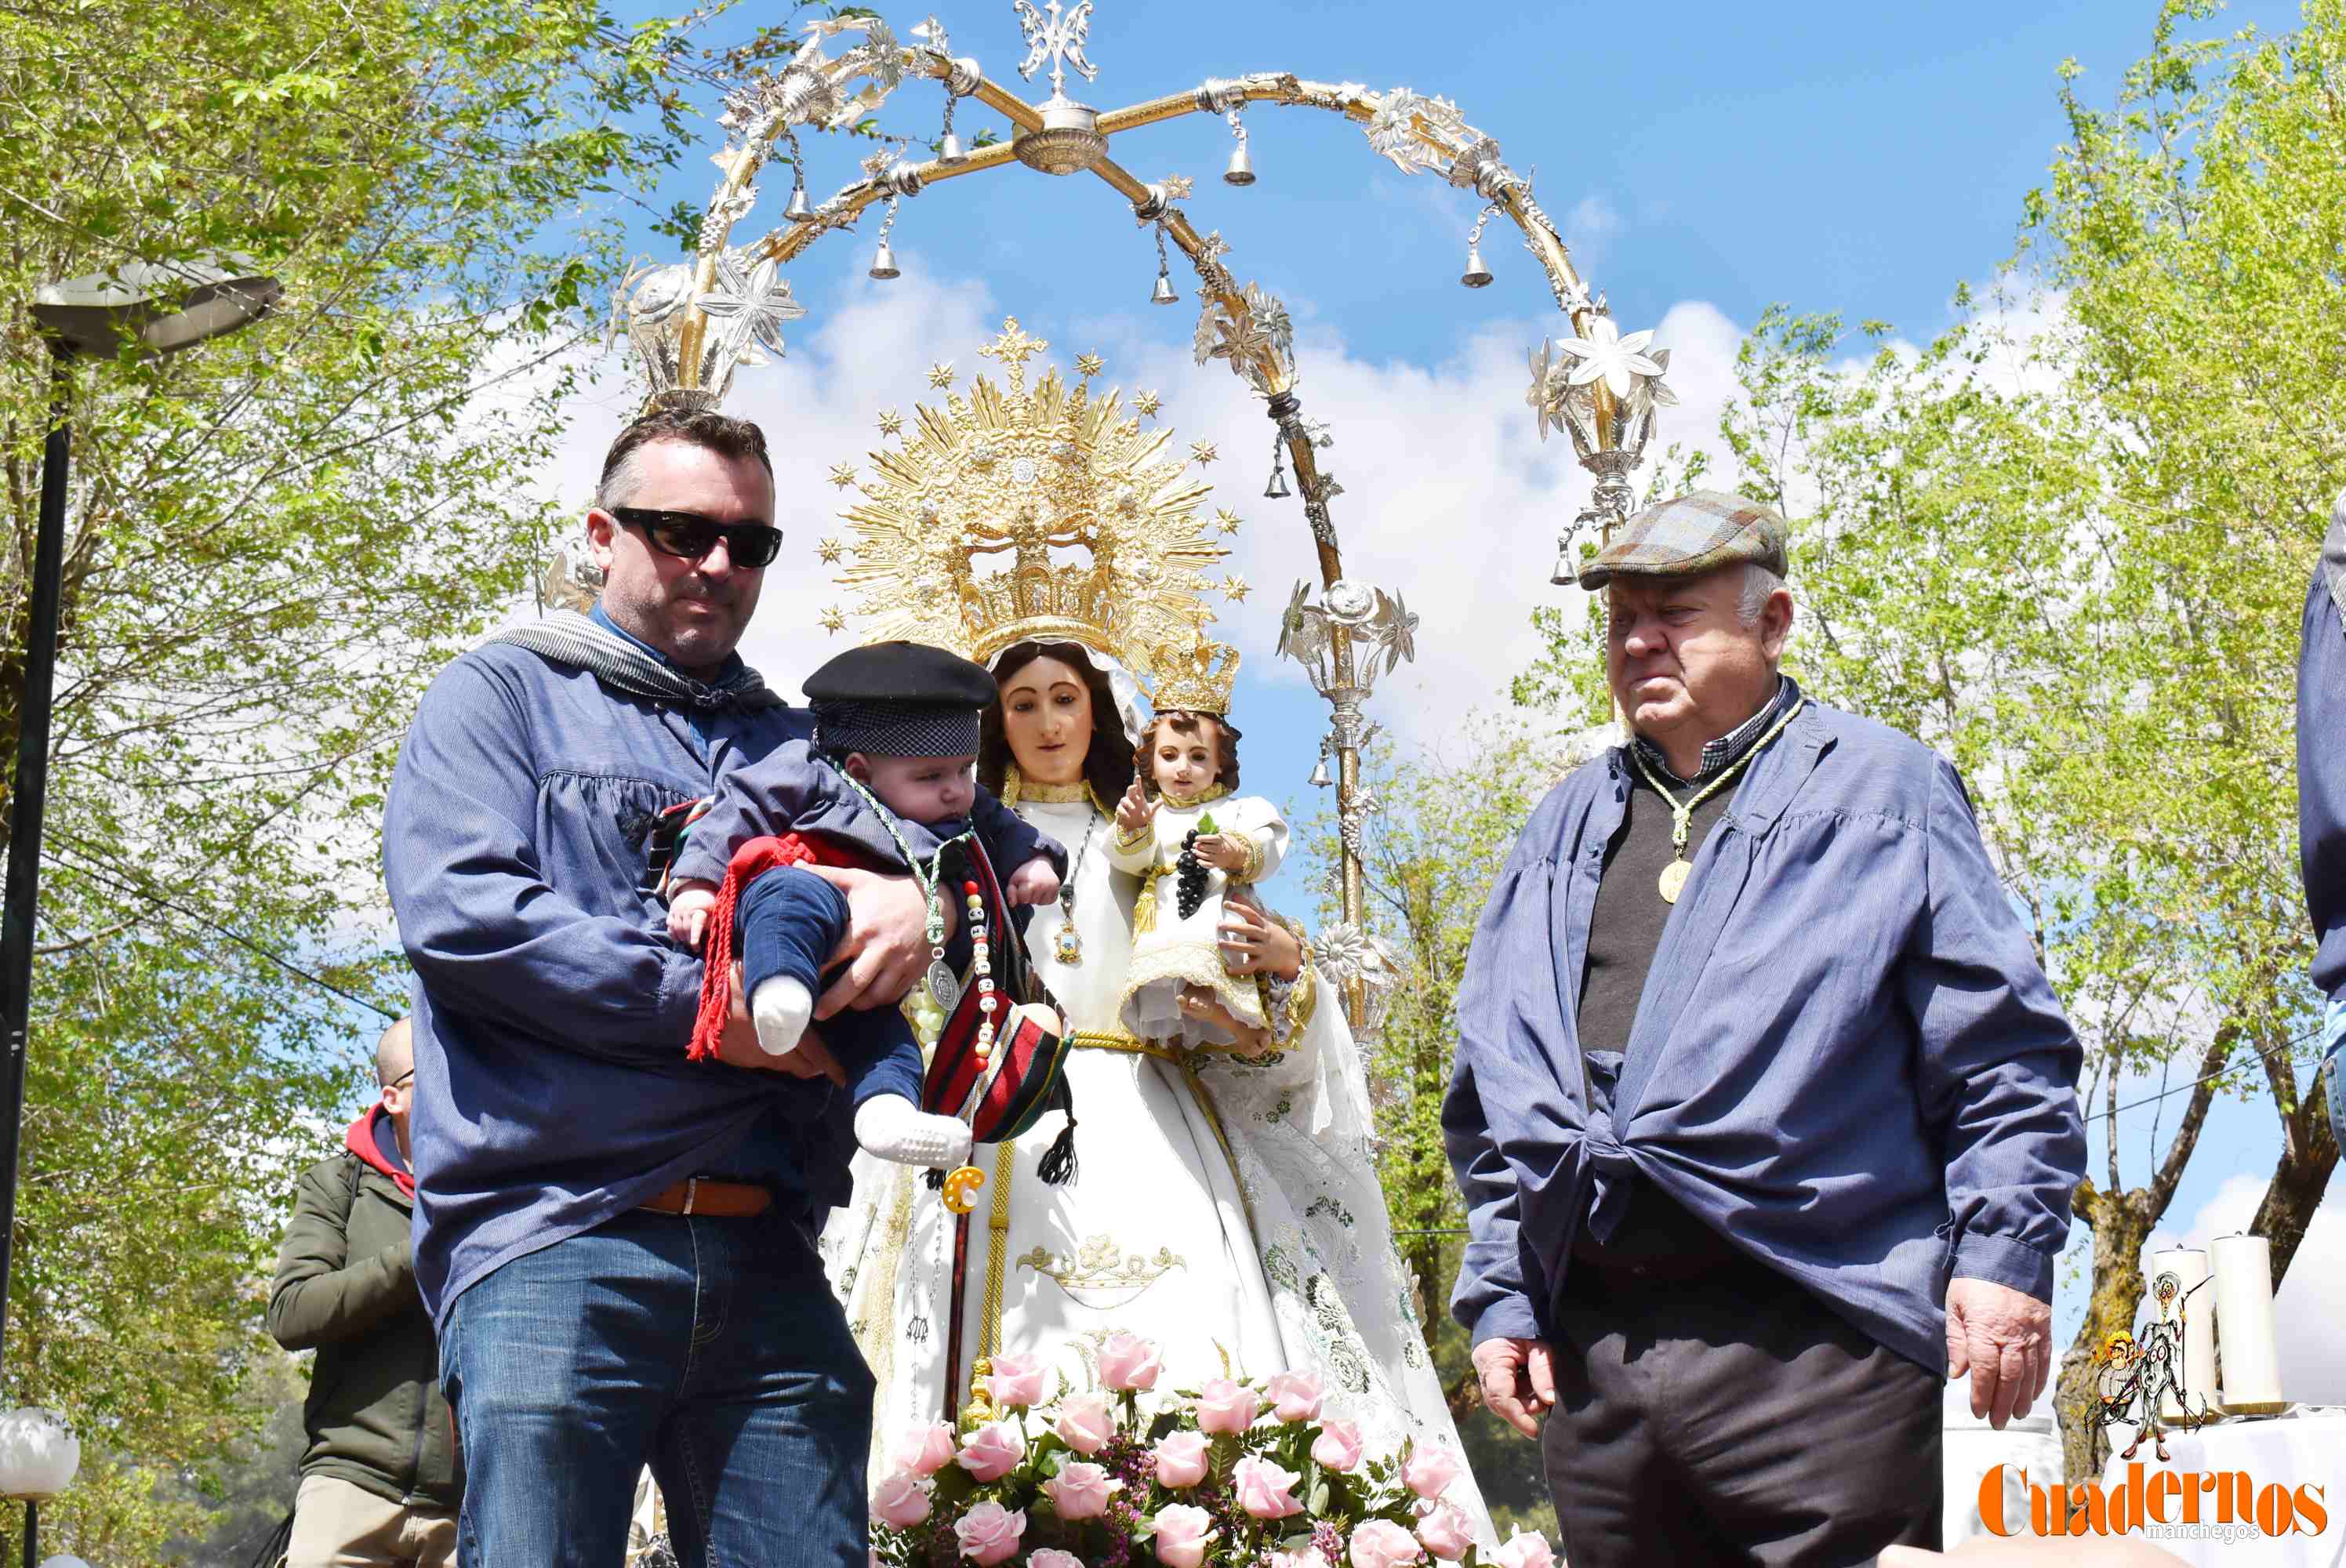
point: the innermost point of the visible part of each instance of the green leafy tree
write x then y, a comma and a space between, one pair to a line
274, 542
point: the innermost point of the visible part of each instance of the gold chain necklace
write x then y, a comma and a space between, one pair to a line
1675, 874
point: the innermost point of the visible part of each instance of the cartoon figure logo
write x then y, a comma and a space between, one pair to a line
2136, 1376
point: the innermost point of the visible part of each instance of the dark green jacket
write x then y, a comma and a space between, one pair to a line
346, 1287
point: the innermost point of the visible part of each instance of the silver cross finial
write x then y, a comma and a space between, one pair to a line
1058, 39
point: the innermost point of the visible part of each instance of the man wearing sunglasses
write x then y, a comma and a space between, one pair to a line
615, 1242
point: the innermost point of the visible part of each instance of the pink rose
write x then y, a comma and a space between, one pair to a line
1308, 1558
1296, 1396
925, 1450
1081, 1491
1051, 1557
991, 1452
1128, 1363
1338, 1446
1086, 1423
1181, 1535
1181, 1460
1446, 1531
989, 1533
1429, 1472
1262, 1488
1224, 1406
1382, 1543
1015, 1382
1526, 1551
902, 1500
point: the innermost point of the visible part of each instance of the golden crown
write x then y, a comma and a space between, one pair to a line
1194, 678
1030, 471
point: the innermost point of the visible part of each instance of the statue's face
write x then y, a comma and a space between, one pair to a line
1046, 718
2166, 1285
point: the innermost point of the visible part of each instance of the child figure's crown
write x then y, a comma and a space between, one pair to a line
1197, 679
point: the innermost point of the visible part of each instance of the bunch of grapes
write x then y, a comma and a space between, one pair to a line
1190, 887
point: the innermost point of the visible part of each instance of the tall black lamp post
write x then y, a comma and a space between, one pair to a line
148, 310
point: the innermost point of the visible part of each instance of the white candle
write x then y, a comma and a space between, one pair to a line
2244, 1325
2189, 1265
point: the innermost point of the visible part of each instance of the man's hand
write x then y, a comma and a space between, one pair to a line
1032, 884
1132, 811
1517, 1377
886, 946
2003, 1339
737, 1046
688, 908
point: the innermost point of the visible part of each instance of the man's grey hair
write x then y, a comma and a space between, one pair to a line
1760, 584
737, 439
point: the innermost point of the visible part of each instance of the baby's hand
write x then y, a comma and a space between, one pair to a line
1036, 882
1220, 850
1132, 811
687, 913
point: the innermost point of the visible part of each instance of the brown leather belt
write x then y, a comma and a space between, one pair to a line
710, 1199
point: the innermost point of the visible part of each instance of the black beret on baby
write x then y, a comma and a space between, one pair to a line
899, 699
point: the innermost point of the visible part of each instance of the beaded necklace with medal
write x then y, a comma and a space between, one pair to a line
1674, 875
1067, 946
942, 988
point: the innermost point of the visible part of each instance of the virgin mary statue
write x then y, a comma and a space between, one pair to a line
1226, 1203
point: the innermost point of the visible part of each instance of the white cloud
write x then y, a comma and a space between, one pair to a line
2309, 1318
1450, 496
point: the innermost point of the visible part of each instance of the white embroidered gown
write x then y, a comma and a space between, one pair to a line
1263, 1247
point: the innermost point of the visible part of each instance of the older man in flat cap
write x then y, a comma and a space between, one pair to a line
1764, 1111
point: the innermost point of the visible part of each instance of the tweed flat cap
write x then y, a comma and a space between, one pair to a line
1688, 534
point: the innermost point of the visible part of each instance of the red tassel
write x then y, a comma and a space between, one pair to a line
750, 862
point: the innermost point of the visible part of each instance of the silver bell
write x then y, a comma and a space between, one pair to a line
1567, 570
950, 149
1319, 772
799, 210
1476, 275
883, 265
1241, 169
1164, 293
1277, 489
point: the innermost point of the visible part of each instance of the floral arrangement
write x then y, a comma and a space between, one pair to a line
1237, 1474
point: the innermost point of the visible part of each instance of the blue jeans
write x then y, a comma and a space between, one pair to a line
2334, 1052
711, 1348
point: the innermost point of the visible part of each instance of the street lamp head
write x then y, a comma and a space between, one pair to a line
161, 307
38, 1453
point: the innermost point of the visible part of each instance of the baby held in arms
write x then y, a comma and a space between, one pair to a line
884, 785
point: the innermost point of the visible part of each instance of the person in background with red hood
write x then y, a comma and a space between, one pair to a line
380, 1480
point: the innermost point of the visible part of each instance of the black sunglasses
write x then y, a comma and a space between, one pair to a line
403, 1078
690, 536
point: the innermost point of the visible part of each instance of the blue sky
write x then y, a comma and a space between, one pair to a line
1704, 160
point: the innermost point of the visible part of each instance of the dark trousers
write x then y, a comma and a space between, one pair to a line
788, 922
1733, 1418
711, 1348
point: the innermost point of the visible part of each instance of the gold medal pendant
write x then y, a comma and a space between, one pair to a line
1674, 880
1066, 947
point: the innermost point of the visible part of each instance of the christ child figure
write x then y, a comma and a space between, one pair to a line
884, 785
1190, 839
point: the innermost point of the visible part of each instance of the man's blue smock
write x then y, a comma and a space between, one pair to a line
552, 1011
1846, 1058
